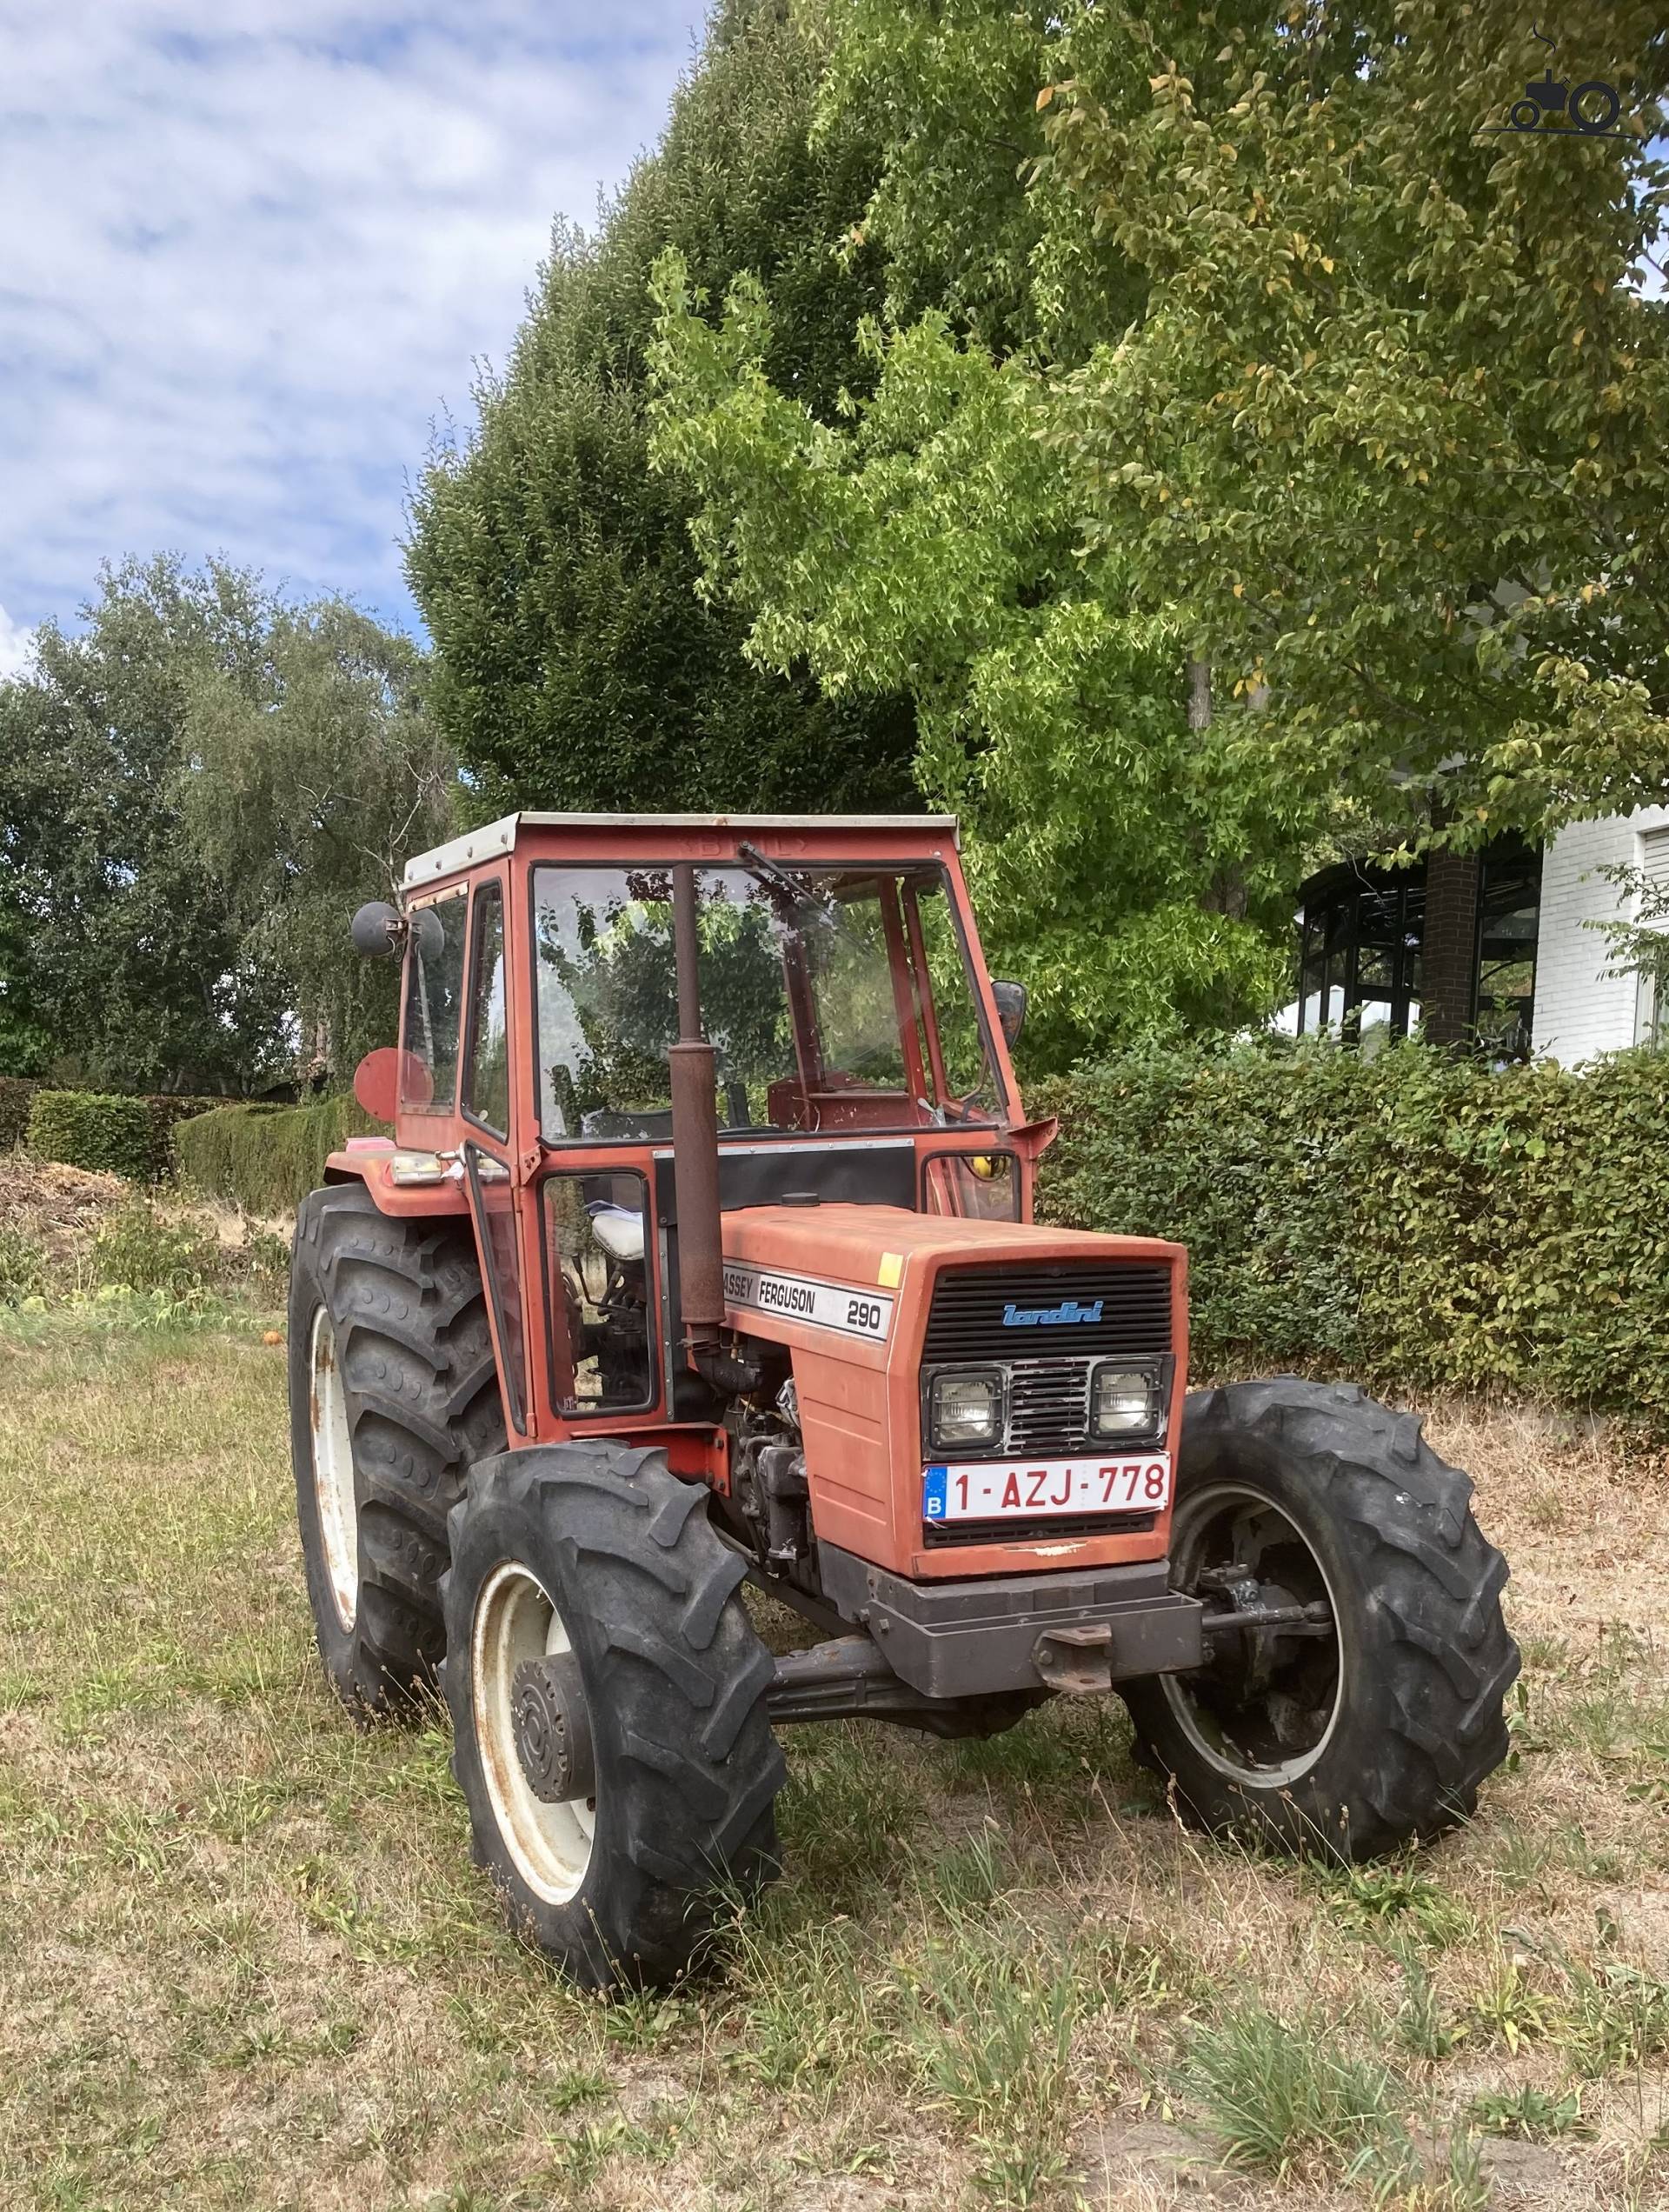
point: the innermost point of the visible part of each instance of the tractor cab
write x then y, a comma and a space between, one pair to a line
849, 1053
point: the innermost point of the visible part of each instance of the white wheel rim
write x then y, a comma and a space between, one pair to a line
1273, 1775
333, 1471
549, 1844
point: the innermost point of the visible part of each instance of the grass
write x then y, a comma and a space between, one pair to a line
246, 1962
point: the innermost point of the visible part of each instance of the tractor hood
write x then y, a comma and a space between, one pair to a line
850, 1290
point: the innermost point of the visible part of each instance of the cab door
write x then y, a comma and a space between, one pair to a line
484, 1095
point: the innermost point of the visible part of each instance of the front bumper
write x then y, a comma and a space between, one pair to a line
1077, 1631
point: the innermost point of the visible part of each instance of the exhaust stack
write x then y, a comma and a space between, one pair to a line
694, 1140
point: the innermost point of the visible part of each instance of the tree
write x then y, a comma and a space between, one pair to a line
305, 791
119, 948
576, 662
1268, 374
1394, 429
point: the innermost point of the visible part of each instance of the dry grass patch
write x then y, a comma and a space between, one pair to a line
248, 1964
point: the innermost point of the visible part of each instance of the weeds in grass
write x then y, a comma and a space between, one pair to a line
1537, 2115
847, 1812
1504, 2005
1278, 2089
1054, 1758
1420, 2023
992, 2034
22, 1267
1614, 2017
1394, 1890
137, 1249
807, 1999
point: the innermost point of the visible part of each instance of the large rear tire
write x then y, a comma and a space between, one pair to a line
592, 1559
392, 1393
1347, 1743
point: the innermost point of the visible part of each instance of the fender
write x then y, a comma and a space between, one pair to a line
368, 1159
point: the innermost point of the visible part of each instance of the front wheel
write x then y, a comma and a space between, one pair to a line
1373, 1713
608, 1697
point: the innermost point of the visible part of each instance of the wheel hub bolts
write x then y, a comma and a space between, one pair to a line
553, 1729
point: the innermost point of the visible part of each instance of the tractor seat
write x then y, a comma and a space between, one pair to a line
619, 1229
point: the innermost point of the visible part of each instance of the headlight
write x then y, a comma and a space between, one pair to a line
964, 1409
1123, 1400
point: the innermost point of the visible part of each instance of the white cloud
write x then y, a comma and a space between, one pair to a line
17, 646
252, 248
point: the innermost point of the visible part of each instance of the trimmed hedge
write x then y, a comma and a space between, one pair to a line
1411, 1218
17, 1095
266, 1158
120, 1134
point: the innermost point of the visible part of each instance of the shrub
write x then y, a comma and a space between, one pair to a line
116, 1133
90, 1128
137, 1250
1412, 1217
22, 1267
266, 1158
16, 1095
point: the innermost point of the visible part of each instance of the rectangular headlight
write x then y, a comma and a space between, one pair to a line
1123, 1400
964, 1410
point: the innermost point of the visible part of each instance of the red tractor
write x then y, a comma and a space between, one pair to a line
703, 1253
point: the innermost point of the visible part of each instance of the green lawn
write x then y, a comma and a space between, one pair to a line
247, 1962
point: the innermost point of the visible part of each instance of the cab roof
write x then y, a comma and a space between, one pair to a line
500, 837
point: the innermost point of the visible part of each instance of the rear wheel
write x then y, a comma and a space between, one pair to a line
1372, 1715
393, 1392
607, 1698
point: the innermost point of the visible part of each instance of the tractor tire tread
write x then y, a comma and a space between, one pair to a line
675, 1676
408, 1313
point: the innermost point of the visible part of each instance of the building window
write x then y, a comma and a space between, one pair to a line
1649, 1000
1509, 905
1360, 964
1362, 943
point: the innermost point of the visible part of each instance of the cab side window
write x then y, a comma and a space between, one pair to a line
487, 1080
433, 1016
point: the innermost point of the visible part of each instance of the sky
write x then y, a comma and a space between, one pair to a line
252, 250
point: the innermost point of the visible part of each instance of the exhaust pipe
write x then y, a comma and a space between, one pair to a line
695, 1142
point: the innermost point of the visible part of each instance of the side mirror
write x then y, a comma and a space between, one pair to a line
378, 931
1011, 1009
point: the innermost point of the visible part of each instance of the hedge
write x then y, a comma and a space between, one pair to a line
124, 1135
1410, 1218
266, 1158
16, 1095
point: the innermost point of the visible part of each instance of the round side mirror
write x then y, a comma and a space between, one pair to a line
377, 930
1011, 1009
428, 932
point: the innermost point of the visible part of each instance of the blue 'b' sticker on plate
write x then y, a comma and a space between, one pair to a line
933, 1480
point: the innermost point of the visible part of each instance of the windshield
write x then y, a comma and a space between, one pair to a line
834, 998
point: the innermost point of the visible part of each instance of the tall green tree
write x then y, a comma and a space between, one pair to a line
1281, 456
305, 791
577, 662
121, 954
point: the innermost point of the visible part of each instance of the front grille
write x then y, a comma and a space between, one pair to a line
1048, 1405
968, 1324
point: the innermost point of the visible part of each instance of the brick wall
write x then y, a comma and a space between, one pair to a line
1450, 947
1579, 1012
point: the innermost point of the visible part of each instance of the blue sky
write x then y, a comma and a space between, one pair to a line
253, 250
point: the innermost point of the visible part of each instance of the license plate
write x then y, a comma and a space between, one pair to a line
1020, 1491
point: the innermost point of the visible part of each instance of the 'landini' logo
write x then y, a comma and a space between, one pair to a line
1049, 1316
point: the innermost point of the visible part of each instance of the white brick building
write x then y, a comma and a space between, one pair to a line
1579, 1011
